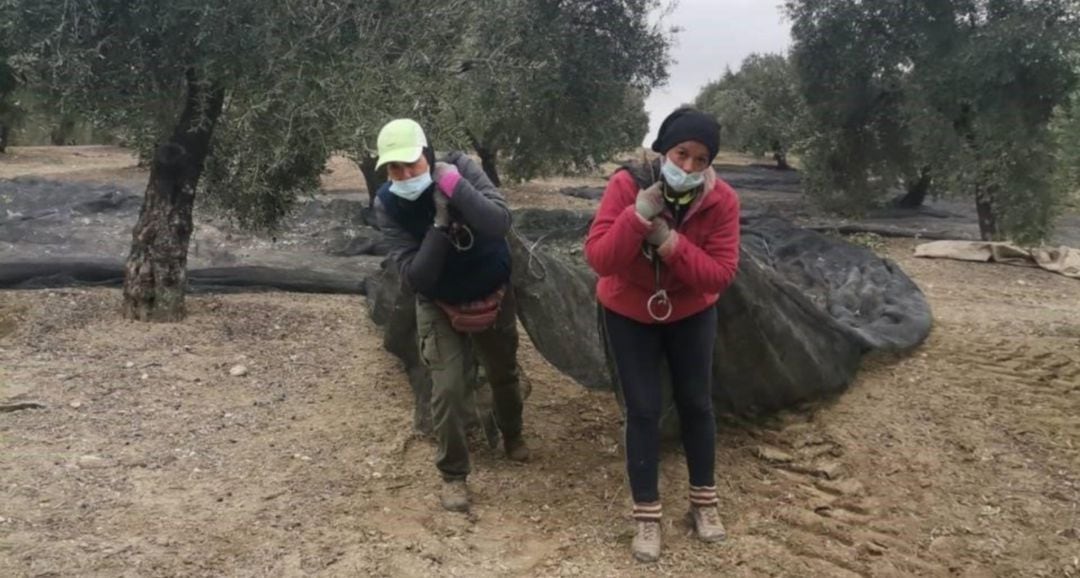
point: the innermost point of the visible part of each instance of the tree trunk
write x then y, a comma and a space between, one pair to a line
984, 206
373, 179
488, 162
916, 191
488, 158
155, 275
61, 135
781, 161
3, 138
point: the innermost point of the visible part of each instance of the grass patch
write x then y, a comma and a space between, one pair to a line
872, 241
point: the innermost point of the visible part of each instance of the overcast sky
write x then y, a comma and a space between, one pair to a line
715, 34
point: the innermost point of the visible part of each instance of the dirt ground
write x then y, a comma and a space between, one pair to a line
150, 458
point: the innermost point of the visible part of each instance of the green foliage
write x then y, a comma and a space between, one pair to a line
8, 83
558, 86
123, 63
10, 112
39, 121
549, 84
850, 60
760, 108
299, 81
1066, 128
353, 72
982, 95
259, 168
965, 90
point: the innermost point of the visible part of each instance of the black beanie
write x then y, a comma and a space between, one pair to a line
688, 124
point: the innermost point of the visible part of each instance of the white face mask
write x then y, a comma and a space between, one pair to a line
411, 189
679, 180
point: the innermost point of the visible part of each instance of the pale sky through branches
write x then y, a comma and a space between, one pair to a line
714, 34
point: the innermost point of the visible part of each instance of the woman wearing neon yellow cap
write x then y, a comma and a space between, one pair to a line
445, 224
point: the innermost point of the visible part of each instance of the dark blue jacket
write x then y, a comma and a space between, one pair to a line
441, 271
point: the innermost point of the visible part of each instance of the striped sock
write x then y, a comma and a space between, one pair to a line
703, 496
647, 512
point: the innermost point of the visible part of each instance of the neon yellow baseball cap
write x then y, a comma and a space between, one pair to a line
400, 141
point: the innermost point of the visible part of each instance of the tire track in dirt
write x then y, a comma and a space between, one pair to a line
1040, 377
829, 514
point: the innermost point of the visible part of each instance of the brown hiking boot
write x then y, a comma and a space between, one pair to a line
706, 523
455, 496
646, 545
516, 449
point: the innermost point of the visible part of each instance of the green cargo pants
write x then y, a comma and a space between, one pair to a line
444, 351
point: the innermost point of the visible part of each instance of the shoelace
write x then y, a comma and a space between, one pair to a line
649, 530
711, 516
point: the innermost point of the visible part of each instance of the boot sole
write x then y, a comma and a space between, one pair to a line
456, 508
640, 557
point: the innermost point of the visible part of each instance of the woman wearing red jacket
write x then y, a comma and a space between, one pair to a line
665, 243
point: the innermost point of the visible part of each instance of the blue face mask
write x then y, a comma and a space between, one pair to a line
411, 189
679, 180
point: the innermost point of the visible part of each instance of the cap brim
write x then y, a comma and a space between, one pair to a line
403, 155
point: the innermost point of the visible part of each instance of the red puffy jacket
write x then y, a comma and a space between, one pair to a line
701, 267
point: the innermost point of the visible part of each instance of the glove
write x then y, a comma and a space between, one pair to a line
446, 176
442, 209
650, 202
659, 233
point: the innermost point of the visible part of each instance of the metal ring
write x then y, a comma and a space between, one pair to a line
660, 297
459, 246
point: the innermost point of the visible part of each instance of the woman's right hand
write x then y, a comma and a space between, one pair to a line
650, 202
659, 233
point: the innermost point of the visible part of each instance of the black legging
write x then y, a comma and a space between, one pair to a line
688, 346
